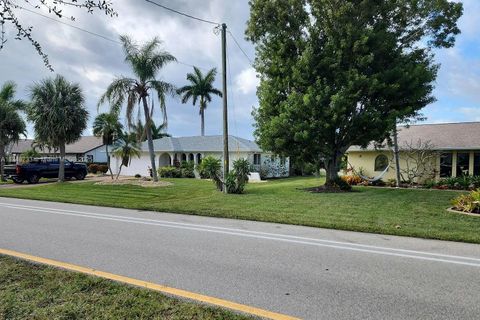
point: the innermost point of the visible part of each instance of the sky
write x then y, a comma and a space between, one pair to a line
94, 62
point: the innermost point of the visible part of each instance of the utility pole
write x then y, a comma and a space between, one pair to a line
226, 162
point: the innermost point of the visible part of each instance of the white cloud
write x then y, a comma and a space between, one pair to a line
247, 81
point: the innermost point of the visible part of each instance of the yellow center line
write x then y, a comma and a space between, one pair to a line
152, 286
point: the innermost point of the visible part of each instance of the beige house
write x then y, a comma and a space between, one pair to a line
441, 150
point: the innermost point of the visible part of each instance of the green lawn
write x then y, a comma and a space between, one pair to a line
419, 213
30, 291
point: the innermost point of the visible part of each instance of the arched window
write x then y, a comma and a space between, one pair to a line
381, 162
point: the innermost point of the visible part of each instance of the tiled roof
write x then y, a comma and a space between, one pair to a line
202, 144
83, 145
443, 136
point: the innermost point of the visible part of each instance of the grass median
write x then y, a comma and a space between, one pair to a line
406, 212
31, 291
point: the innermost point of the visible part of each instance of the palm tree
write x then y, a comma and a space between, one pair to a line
107, 126
200, 87
126, 147
146, 61
158, 132
58, 113
12, 125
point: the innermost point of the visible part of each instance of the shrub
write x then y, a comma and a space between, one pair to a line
352, 180
211, 168
93, 168
138, 176
170, 172
429, 184
237, 179
188, 169
392, 182
102, 168
468, 202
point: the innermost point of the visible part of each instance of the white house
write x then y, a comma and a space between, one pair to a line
86, 149
172, 151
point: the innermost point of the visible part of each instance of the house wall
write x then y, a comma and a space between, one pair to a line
272, 167
365, 160
99, 154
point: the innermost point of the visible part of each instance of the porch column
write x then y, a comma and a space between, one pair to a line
454, 163
172, 158
471, 167
437, 166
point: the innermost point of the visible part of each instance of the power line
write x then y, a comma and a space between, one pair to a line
241, 49
95, 34
182, 13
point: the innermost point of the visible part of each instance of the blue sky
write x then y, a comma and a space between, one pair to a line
94, 62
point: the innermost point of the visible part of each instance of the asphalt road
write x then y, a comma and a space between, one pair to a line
305, 272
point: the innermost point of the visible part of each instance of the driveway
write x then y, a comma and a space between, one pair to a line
298, 271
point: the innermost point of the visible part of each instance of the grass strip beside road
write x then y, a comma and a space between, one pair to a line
404, 212
32, 291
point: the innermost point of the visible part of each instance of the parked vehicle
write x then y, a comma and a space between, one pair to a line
36, 169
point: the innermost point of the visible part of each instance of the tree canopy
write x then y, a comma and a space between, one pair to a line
12, 126
200, 87
58, 114
337, 73
9, 14
146, 62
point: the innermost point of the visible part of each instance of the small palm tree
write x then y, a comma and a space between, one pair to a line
107, 126
125, 148
146, 61
12, 125
200, 87
58, 113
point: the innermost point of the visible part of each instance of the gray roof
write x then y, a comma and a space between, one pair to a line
442, 136
83, 145
202, 144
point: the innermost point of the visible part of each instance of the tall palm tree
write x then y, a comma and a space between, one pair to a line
126, 147
12, 125
107, 126
146, 61
58, 113
158, 132
200, 87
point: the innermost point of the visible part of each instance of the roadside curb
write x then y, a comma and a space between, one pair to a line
152, 286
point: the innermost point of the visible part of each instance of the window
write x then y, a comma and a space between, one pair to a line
283, 161
381, 162
257, 159
89, 158
446, 165
476, 164
463, 163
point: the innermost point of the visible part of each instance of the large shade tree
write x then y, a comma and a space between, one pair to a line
12, 125
58, 113
146, 61
200, 88
108, 127
337, 73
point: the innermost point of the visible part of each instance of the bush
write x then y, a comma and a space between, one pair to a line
138, 176
211, 167
188, 169
170, 172
468, 202
102, 168
93, 168
237, 179
459, 183
352, 180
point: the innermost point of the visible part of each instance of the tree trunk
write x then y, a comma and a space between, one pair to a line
397, 157
61, 167
2, 162
202, 115
108, 160
119, 170
148, 129
332, 166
